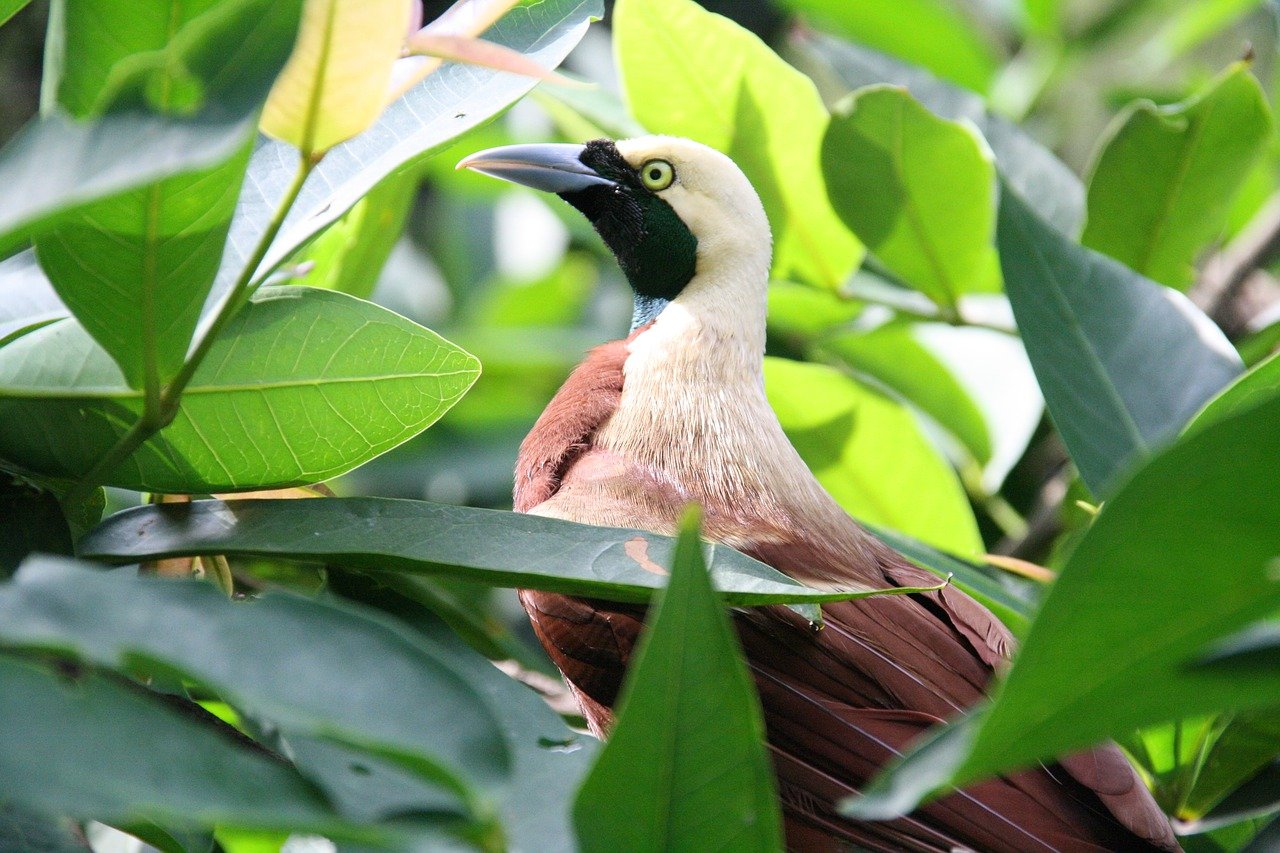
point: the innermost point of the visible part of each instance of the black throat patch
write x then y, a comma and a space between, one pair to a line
655, 249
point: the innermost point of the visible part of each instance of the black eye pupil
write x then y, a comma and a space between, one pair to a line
654, 174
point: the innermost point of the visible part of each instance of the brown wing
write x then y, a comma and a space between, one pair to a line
839, 704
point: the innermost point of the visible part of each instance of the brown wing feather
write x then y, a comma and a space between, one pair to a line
839, 704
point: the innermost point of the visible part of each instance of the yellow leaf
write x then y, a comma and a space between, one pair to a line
335, 83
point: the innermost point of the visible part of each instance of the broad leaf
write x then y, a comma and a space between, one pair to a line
132, 145
314, 668
9, 8
685, 767
1246, 744
1052, 189
1163, 183
894, 356
1115, 644
933, 184
688, 72
450, 102
486, 546
97, 748
304, 385
27, 300
1124, 362
869, 453
336, 82
1261, 383
929, 33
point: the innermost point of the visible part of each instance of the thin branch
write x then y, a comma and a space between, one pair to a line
1223, 280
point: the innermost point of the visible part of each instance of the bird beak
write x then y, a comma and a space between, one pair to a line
550, 167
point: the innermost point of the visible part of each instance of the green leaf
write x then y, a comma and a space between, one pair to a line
25, 829
1112, 647
1259, 384
930, 33
9, 8
685, 767
303, 385
27, 300
1247, 743
1123, 362
691, 73
1044, 181
314, 668
425, 121
486, 546
95, 747
893, 356
135, 269
349, 256
934, 187
133, 146
1257, 798
33, 521
1162, 187
868, 452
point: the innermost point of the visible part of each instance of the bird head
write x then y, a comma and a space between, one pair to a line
672, 211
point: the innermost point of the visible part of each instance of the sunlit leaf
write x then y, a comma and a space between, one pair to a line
1114, 645
1163, 183
1124, 362
691, 73
934, 34
335, 83
934, 186
869, 453
303, 385
685, 767
1259, 384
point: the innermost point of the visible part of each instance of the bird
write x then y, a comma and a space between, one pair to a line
675, 413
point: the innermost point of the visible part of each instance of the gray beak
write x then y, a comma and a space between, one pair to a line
550, 167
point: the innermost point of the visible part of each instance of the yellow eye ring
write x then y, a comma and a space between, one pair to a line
657, 175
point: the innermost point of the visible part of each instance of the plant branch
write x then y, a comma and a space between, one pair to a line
157, 417
1225, 276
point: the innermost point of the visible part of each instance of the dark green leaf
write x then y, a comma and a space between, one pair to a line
32, 522
685, 767
1257, 797
894, 356
1051, 189
486, 546
303, 385
1182, 555
1124, 363
1248, 742
869, 453
934, 187
31, 831
132, 146
315, 668
423, 122
1162, 186
930, 33
95, 747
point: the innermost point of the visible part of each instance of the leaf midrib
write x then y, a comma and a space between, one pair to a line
62, 392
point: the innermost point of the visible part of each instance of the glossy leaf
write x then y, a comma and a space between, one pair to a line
133, 146
929, 33
738, 96
303, 385
486, 546
894, 356
424, 121
1261, 383
310, 667
1247, 743
1043, 181
1114, 645
685, 767
1124, 363
934, 187
96, 747
27, 300
335, 83
1162, 186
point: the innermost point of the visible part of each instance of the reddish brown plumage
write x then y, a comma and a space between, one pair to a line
838, 703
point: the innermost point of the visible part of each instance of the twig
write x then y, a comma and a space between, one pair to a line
1225, 276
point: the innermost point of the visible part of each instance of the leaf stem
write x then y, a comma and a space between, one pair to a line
158, 416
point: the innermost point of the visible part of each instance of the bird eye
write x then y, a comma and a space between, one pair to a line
657, 174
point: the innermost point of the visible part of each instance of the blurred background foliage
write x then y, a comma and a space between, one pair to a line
922, 416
